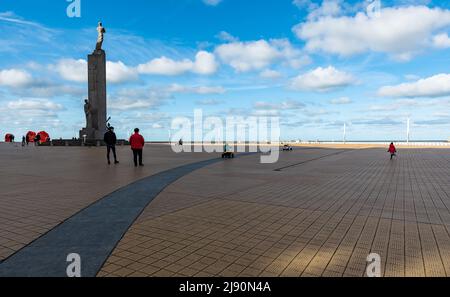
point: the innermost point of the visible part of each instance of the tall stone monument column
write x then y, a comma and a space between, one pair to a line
95, 106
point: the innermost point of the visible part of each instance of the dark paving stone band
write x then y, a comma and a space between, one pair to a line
94, 232
312, 160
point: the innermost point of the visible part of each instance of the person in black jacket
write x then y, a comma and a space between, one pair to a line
111, 140
37, 140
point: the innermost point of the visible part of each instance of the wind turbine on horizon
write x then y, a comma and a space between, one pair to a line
345, 133
408, 130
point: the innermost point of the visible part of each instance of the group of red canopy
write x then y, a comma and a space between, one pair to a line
30, 137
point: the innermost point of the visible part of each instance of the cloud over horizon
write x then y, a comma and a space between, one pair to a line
397, 32
322, 80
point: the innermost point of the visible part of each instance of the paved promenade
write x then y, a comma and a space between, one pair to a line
317, 212
43, 186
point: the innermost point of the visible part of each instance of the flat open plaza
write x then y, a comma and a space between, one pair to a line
316, 212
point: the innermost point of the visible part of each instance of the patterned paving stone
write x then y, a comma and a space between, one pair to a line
43, 186
316, 212
318, 218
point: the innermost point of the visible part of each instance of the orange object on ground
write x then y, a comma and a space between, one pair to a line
8, 137
44, 136
30, 136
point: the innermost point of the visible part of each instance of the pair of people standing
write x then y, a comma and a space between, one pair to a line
137, 143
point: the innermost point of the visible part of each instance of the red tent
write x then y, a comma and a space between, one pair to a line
9, 137
30, 136
44, 136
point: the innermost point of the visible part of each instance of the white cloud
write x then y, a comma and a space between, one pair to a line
137, 99
441, 40
401, 104
305, 4
399, 31
266, 113
246, 56
442, 114
225, 36
268, 73
322, 79
34, 104
165, 66
434, 86
290, 55
209, 102
284, 105
15, 78
328, 8
318, 112
76, 71
341, 101
72, 70
44, 89
10, 17
22, 84
205, 64
212, 2
202, 90
130, 104
257, 55
118, 72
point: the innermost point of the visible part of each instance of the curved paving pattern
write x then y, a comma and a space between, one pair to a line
94, 232
43, 186
242, 218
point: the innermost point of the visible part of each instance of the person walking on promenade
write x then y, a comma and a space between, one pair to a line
37, 140
110, 139
24, 141
137, 143
392, 150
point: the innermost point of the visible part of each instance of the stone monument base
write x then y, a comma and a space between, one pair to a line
91, 134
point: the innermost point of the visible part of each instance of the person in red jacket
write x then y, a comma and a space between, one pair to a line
137, 143
392, 150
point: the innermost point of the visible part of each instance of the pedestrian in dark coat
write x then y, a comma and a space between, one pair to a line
110, 139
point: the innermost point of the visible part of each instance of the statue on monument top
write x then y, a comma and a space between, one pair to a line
101, 31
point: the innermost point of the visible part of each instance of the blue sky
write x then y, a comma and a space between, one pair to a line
314, 64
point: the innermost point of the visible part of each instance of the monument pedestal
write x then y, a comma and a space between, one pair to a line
96, 115
91, 134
